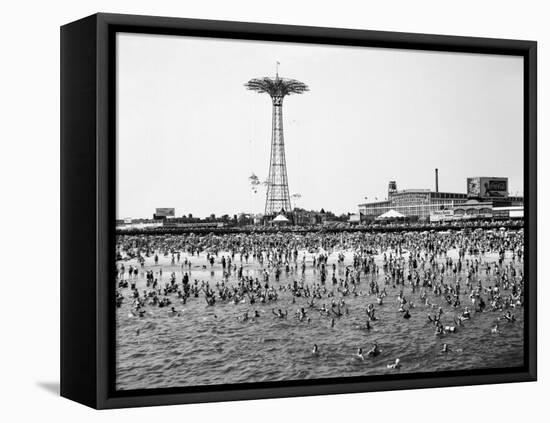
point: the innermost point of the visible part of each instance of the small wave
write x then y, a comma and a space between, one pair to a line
137, 355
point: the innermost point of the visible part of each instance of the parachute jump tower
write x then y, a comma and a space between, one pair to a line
277, 196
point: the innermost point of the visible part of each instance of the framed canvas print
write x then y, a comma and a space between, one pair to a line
255, 211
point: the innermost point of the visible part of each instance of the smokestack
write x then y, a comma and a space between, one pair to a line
436, 180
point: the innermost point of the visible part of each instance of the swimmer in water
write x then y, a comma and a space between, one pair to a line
445, 348
279, 313
396, 365
315, 350
359, 355
509, 316
450, 329
374, 351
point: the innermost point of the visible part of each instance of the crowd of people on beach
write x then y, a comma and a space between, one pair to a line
448, 276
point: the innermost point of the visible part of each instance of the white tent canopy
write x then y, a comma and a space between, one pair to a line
390, 214
280, 219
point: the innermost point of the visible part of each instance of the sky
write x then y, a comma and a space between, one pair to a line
189, 135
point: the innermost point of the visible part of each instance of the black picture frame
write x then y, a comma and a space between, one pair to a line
88, 208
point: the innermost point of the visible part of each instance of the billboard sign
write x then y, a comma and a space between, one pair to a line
474, 189
488, 187
165, 212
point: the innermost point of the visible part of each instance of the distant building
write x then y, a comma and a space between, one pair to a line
417, 203
474, 208
510, 212
470, 209
307, 217
483, 194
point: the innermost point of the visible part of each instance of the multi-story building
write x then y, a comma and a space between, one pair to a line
418, 203
483, 193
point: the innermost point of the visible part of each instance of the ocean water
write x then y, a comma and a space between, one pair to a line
207, 345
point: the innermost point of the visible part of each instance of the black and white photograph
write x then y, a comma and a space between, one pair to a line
271, 212
290, 212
